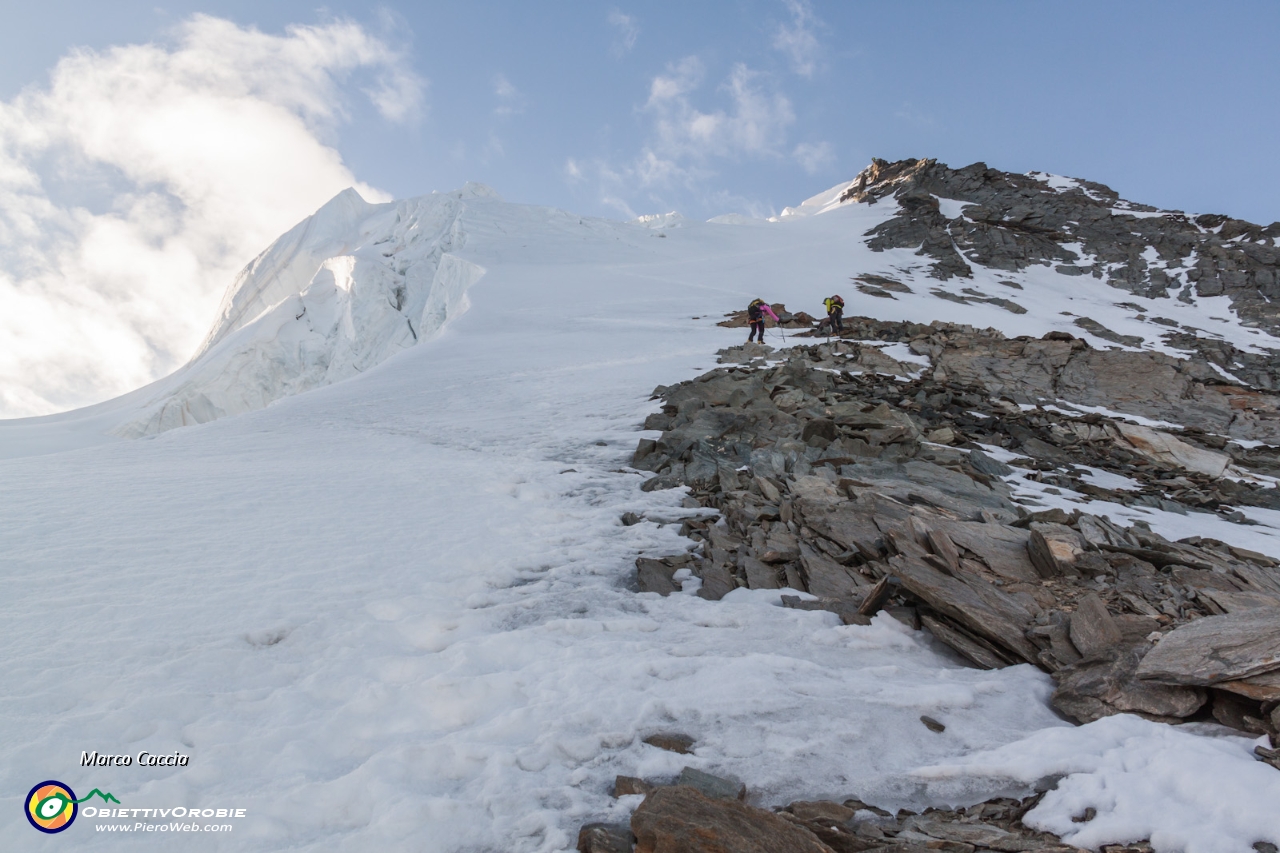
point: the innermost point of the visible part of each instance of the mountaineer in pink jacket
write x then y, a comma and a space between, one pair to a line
755, 313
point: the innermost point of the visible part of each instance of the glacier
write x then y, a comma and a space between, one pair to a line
340, 292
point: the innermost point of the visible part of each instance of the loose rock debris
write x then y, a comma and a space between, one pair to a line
874, 484
862, 480
689, 818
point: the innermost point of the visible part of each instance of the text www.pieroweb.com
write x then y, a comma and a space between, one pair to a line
191, 824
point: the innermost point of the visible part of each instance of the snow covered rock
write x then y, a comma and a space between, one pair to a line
1002, 221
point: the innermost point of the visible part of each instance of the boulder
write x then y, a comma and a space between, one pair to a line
681, 820
671, 741
986, 465
1217, 648
717, 582
626, 786
822, 428
1054, 549
655, 576
1099, 687
709, 785
1093, 631
1237, 712
972, 602
605, 838
1162, 447
759, 575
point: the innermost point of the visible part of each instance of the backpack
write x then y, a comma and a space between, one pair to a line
754, 314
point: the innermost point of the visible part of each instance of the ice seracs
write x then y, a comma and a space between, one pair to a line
342, 291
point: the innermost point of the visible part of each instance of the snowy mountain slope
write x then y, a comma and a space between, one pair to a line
391, 612
387, 612
355, 283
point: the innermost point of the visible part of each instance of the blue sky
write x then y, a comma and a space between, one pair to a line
149, 150
1170, 103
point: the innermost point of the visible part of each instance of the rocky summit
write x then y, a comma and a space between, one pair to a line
985, 217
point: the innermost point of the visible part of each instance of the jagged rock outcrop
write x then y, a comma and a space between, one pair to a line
1011, 221
878, 489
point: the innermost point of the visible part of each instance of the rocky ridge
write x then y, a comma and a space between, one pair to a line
868, 484
872, 484
1011, 221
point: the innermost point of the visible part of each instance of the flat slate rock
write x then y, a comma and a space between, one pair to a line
759, 575
716, 787
655, 576
1096, 688
972, 602
605, 838
1093, 630
679, 819
827, 578
717, 582
1002, 548
1263, 688
1217, 648
977, 652
846, 609
672, 742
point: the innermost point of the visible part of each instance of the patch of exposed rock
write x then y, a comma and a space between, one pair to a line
1060, 367
1011, 221
798, 320
686, 818
875, 485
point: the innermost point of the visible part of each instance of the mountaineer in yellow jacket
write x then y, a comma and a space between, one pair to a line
835, 315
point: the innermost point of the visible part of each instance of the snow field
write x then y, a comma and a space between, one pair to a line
373, 632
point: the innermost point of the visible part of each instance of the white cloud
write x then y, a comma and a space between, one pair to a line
619, 205
628, 31
686, 141
814, 157
136, 184
797, 39
755, 124
510, 100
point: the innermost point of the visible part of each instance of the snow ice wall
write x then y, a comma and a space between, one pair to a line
345, 289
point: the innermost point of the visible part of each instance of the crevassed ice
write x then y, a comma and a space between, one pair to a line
346, 288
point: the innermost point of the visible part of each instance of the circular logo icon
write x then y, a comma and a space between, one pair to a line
51, 806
